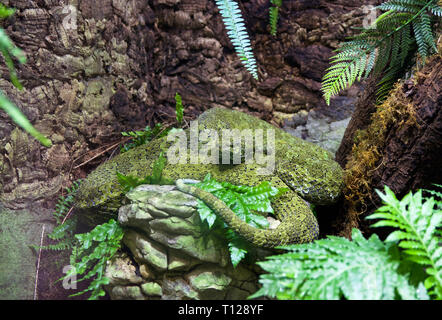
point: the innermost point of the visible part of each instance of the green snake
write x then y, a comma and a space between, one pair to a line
308, 170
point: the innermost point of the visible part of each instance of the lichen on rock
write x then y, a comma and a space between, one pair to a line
171, 255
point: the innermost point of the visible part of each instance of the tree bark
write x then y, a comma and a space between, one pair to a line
400, 148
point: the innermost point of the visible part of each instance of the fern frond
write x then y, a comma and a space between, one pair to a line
407, 43
405, 6
389, 22
419, 32
391, 36
90, 255
274, 16
335, 268
419, 224
383, 55
66, 201
435, 10
63, 232
350, 64
237, 33
179, 109
62, 245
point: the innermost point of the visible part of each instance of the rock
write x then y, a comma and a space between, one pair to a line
268, 86
175, 225
319, 131
204, 249
122, 272
178, 289
323, 126
126, 293
171, 255
145, 251
180, 262
206, 278
152, 289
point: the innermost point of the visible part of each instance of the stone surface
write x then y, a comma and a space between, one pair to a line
152, 289
324, 127
172, 256
18, 230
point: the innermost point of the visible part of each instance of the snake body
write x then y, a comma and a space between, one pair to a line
309, 172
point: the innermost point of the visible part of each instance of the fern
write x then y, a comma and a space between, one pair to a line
386, 48
142, 137
89, 257
336, 268
65, 202
130, 182
237, 33
437, 195
247, 202
418, 223
274, 16
407, 265
179, 109
10, 51
64, 230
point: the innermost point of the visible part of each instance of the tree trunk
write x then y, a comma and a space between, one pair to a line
400, 146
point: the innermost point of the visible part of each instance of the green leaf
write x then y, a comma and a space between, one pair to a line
390, 47
236, 254
158, 167
129, 182
236, 30
5, 12
143, 137
419, 223
20, 119
336, 268
206, 214
91, 254
274, 15
179, 108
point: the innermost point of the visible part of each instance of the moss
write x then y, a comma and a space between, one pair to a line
368, 149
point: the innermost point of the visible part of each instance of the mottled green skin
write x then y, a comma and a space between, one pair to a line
307, 169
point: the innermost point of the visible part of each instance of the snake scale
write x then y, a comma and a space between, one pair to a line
308, 170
